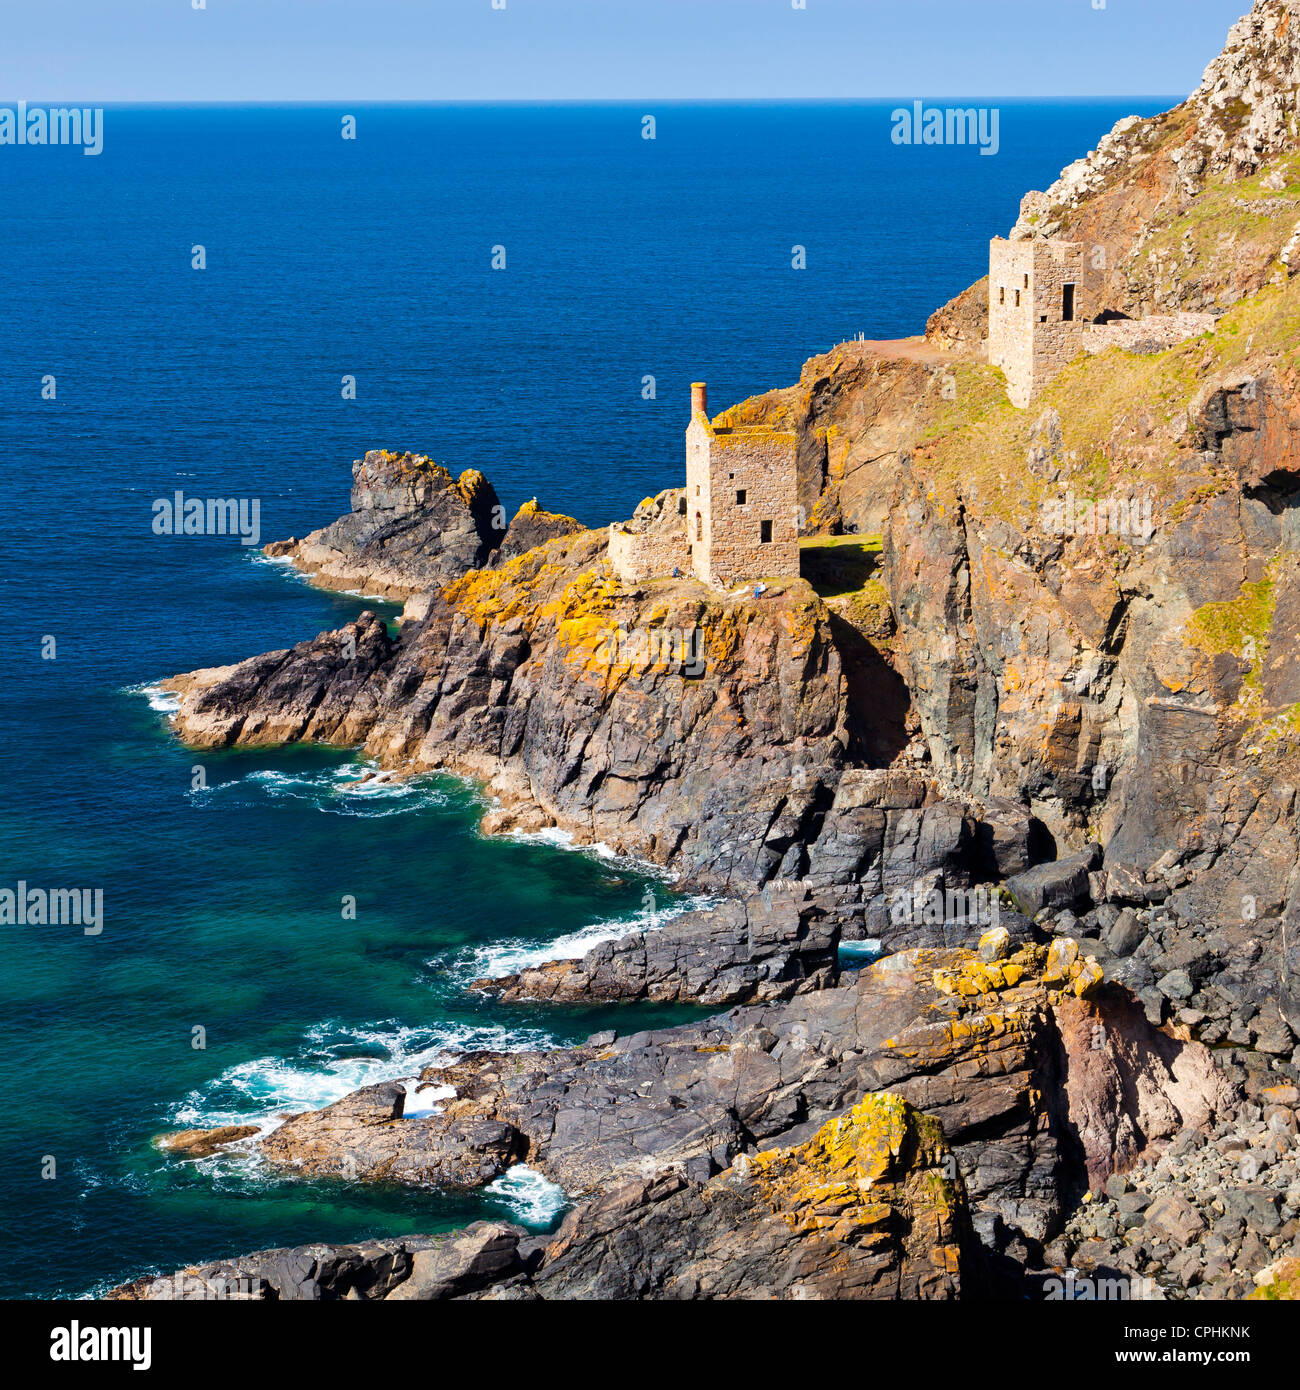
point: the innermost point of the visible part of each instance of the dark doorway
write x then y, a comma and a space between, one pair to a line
1067, 303
765, 531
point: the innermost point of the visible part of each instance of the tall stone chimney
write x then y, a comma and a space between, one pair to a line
699, 399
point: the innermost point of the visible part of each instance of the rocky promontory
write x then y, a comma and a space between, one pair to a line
679, 1146
1043, 665
412, 527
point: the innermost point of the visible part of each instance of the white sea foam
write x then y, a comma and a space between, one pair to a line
557, 838
508, 957
334, 1061
160, 700
532, 1199
344, 790
422, 1102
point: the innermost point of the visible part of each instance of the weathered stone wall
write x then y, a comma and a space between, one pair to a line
724, 466
1028, 337
641, 555
1155, 333
759, 464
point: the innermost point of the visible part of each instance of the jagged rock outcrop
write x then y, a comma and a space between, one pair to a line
720, 750
775, 1151
326, 690
201, 1143
765, 948
712, 751
412, 527
970, 1040
866, 1208
414, 1267
529, 527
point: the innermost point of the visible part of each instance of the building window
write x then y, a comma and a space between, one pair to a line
697, 489
681, 506
765, 532
1026, 281
1017, 299
1067, 303
741, 494
1002, 294
699, 527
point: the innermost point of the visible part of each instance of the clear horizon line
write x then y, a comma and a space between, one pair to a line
176, 103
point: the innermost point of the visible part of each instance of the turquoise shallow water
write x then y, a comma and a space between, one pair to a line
223, 906
226, 913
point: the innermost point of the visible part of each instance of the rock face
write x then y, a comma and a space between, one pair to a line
758, 951
529, 527
322, 691
421, 1267
972, 1042
776, 1151
864, 1209
365, 1136
412, 527
704, 732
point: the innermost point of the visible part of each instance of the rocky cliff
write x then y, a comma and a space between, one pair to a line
680, 1146
1065, 673
1091, 600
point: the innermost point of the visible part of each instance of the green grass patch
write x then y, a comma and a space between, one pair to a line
837, 566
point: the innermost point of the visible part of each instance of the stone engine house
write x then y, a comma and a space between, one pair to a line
1035, 319
737, 519
1037, 323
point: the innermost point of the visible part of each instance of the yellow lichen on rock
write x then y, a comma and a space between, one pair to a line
880, 1141
1059, 964
1279, 1283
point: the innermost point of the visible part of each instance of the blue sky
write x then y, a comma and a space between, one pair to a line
454, 50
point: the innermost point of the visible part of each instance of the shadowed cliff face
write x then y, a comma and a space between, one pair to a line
708, 732
692, 727
1094, 602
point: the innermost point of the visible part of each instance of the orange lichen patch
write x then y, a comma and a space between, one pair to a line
1059, 965
857, 1171
471, 484
530, 509
745, 435
802, 622
493, 595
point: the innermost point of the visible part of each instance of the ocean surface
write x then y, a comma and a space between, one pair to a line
228, 983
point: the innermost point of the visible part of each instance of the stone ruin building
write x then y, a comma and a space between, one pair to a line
735, 522
1039, 320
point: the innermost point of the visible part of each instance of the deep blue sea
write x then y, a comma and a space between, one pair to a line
624, 258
